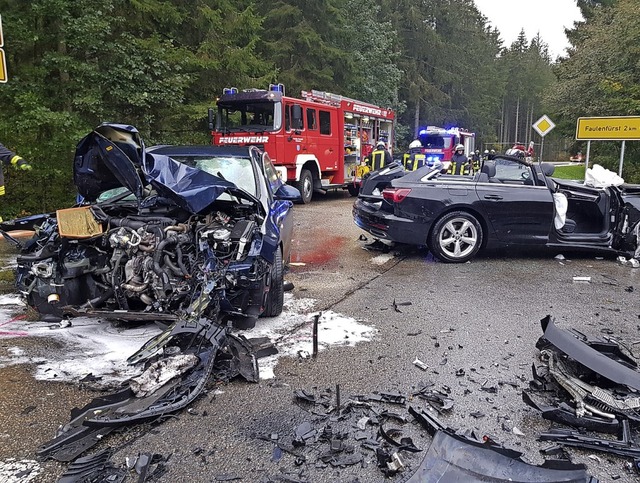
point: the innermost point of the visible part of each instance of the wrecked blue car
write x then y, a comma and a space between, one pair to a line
157, 228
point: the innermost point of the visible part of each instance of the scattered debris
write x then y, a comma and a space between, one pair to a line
418, 363
582, 279
456, 457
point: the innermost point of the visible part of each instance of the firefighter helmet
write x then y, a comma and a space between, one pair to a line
459, 147
415, 144
380, 145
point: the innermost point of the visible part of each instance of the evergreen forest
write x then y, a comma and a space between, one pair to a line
159, 65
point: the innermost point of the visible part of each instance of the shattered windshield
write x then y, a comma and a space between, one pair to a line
253, 117
236, 170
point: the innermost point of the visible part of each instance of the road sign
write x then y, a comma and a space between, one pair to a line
543, 126
614, 128
3, 60
3, 67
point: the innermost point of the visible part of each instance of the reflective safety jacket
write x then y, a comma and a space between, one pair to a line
379, 159
8, 158
459, 165
414, 161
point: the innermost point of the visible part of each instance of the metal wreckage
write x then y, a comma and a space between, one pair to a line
172, 244
197, 263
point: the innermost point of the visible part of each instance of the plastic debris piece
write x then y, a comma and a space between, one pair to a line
559, 257
420, 364
517, 432
582, 279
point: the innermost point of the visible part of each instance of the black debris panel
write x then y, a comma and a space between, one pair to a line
95, 467
203, 340
458, 459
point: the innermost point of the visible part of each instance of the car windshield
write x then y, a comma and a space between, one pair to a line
237, 170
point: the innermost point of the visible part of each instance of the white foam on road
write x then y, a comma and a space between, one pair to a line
382, 259
292, 333
90, 346
14, 471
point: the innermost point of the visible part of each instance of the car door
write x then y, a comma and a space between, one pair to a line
280, 211
518, 210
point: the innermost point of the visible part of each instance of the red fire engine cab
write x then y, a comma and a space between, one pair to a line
438, 144
315, 142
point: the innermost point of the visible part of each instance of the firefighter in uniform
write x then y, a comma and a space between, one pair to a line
9, 158
380, 157
475, 161
415, 158
459, 162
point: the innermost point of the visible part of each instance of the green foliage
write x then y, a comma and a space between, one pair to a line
601, 75
159, 64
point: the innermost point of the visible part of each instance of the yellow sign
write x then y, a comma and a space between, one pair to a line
543, 126
616, 128
3, 67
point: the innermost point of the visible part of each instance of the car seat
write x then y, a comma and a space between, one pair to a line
489, 169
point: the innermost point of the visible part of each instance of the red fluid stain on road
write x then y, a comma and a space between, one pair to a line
317, 250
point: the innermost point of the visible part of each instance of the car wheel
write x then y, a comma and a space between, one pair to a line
275, 298
353, 189
456, 237
305, 185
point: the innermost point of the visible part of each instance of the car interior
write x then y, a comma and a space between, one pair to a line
579, 211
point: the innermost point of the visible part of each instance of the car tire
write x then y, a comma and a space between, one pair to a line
305, 186
456, 237
353, 189
275, 297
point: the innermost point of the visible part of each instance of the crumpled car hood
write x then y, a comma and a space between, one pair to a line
112, 155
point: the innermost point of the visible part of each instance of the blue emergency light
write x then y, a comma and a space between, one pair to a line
277, 88
230, 90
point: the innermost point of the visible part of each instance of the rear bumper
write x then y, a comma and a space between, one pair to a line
387, 226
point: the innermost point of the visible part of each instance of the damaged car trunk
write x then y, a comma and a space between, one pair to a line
153, 233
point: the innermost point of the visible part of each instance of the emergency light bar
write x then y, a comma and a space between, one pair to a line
277, 88
230, 90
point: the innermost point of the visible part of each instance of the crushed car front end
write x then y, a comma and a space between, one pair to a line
174, 233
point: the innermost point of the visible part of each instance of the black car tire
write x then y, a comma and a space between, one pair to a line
275, 298
305, 186
456, 237
353, 189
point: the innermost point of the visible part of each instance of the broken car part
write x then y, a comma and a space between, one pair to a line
152, 231
455, 458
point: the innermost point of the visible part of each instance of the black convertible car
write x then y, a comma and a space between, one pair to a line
160, 228
509, 202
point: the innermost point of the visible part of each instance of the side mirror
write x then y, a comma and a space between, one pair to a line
211, 118
288, 193
296, 115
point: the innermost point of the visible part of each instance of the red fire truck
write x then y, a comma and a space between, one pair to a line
438, 144
316, 141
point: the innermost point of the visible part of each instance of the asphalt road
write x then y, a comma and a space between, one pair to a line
474, 325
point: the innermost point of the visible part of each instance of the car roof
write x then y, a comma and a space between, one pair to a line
201, 150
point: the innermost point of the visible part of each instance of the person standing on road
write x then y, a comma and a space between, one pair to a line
459, 162
9, 158
415, 158
380, 157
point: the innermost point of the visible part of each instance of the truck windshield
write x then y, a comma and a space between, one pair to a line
435, 141
249, 116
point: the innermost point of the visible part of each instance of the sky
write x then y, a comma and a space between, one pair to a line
549, 17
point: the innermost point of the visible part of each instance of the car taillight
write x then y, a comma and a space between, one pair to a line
395, 195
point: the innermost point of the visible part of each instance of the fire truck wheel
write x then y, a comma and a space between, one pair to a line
305, 185
353, 189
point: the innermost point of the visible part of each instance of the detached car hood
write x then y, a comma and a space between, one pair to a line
113, 156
